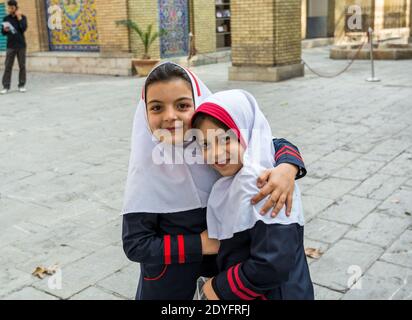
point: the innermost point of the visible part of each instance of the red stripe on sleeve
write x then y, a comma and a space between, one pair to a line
286, 148
290, 153
242, 286
167, 249
233, 287
181, 248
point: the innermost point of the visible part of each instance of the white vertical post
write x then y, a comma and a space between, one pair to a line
372, 78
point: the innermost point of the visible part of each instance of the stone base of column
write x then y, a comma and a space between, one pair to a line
269, 74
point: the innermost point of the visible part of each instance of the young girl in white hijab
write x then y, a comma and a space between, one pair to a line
164, 213
259, 257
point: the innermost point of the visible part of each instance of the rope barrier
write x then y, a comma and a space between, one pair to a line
340, 72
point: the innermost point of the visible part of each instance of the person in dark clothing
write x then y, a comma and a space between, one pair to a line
259, 257
13, 27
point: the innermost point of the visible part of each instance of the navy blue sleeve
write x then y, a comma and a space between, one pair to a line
285, 152
23, 24
4, 33
142, 243
272, 257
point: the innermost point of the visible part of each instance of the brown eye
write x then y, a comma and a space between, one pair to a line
183, 106
155, 108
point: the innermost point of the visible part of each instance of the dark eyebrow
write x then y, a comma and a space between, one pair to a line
184, 98
180, 99
153, 101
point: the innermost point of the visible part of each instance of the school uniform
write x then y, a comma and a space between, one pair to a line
266, 262
169, 249
164, 210
259, 257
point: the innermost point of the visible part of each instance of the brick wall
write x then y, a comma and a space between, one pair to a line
112, 38
252, 32
410, 17
204, 23
287, 27
144, 12
331, 18
304, 18
267, 33
30, 9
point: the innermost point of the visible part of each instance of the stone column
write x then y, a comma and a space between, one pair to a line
340, 20
304, 18
331, 18
266, 40
410, 20
379, 15
203, 18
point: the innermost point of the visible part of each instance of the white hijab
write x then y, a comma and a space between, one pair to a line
229, 209
164, 188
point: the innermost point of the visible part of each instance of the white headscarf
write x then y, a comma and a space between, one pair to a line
229, 209
164, 188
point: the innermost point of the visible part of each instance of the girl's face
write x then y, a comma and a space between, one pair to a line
221, 149
170, 107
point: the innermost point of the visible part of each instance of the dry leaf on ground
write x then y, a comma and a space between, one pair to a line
313, 253
42, 272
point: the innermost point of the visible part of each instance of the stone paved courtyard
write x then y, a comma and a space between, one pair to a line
64, 148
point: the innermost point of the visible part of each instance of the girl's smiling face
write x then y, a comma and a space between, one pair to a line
170, 107
221, 149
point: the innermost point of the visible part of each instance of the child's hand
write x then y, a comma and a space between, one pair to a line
208, 290
209, 246
279, 182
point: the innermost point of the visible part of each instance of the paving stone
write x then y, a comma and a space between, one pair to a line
307, 182
123, 282
12, 280
323, 169
400, 166
332, 188
322, 293
383, 281
342, 156
379, 229
85, 272
324, 230
399, 203
30, 293
313, 205
401, 250
334, 268
387, 150
93, 293
379, 186
349, 209
358, 170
